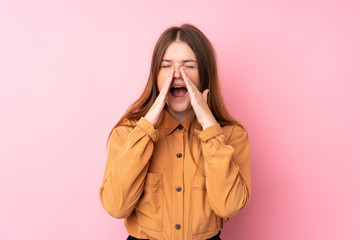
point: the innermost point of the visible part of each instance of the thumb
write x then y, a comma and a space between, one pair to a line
205, 93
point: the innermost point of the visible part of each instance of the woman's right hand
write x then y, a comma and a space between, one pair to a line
155, 114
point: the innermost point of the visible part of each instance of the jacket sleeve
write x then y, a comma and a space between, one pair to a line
127, 164
227, 169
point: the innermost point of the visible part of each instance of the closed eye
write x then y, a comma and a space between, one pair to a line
165, 66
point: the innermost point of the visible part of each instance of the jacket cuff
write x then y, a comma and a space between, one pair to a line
148, 128
209, 132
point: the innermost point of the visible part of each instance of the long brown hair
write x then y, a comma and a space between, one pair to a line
208, 74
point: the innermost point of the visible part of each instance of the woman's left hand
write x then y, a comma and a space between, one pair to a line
198, 101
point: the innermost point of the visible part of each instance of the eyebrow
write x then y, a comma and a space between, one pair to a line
185, 61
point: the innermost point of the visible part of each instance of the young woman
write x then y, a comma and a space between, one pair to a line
178, 165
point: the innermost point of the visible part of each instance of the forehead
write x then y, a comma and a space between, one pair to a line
179, 51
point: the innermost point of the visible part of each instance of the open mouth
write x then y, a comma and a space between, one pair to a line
178, 91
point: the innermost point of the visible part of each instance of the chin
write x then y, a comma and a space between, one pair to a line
179, 107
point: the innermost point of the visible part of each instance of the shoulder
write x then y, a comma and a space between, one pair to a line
124, 127
129, 122
138, 127
234, 131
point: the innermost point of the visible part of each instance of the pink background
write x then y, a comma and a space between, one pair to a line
289, 71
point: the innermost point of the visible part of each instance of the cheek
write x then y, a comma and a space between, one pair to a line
195, 79
197, 82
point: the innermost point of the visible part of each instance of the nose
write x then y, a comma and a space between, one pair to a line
177, 73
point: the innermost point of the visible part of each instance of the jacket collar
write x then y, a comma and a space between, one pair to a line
169, 123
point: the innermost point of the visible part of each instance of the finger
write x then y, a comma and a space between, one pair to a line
189, 85
165, 89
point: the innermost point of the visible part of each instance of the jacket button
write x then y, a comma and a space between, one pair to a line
178, 189
179, 155
180, 127
177, 226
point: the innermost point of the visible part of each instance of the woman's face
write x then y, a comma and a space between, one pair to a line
176, 55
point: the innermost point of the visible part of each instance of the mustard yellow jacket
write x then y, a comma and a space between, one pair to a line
152, 181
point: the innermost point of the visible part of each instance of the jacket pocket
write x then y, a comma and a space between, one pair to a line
148, 213
204, 219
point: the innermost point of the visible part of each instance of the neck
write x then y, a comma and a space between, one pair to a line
180, 116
